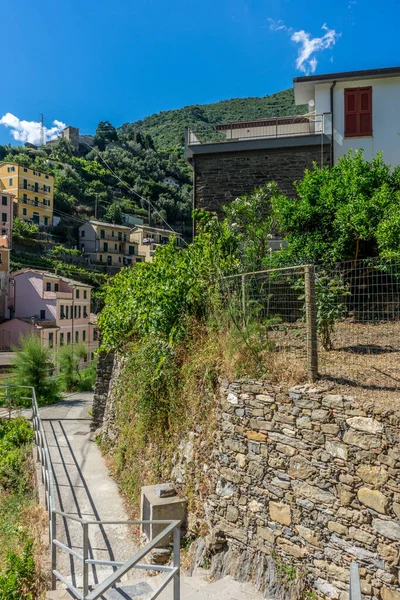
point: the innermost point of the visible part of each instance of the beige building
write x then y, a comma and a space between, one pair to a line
109, 244
33, 192
149, 239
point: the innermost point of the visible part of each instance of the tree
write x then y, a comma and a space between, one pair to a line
105, 133
33, 366
69, 358
113, 214
342, 213
62, 149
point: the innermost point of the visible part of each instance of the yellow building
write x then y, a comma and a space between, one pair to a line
109, 244
149, 239
33, 191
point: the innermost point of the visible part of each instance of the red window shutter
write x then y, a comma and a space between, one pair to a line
365, 108
357, 112
350, 112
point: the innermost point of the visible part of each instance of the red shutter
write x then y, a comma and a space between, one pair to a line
357, 112
365, 108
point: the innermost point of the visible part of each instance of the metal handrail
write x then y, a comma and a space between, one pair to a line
47, 475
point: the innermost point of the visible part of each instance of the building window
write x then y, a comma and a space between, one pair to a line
36, 218
105, 246
115, 246
120, 236
84, 294
85, 313
95, 335
68, 337
84, 335
82, 233
79, 312
25, 170
358, 112
25, 184
46, 220
124, 237
112, 233
46, 176
42, 314
4, 217
67, 312
56, 287
102, 234
62, 311
119, 259
61, 339
36, 201
10, 169
101, 258
48, 287
109, 260
4, 200
131, 250
76, 336
51, 339
36, 186
75, 311
25, 199
24, 212
10, 182
77, 294
138, 260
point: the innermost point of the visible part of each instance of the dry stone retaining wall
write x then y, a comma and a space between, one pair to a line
308, 479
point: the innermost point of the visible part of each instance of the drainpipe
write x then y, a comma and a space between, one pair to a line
332, 138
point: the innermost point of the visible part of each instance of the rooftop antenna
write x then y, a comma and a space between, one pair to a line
41, 129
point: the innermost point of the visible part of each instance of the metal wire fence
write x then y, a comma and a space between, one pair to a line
341, 322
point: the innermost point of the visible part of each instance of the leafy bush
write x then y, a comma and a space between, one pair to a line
16, 436
33, 366
69, 359
23, 229
18, 578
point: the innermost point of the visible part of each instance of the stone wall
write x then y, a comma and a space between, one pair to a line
105, 365
304, 482
220, 178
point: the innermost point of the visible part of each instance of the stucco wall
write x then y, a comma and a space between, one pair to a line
385, 118
28, 302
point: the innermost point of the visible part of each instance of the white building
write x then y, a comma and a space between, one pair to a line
361, 108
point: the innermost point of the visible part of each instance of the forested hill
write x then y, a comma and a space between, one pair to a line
167, 127
147, 155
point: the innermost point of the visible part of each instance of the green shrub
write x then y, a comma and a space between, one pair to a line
16, 436
69, 358
18, 577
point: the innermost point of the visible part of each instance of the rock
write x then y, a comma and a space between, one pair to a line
335, 571
292, 549
232, 398
390, 593
333, 401
390, 554
337, 450
388, 529
265, 398
337, 527
326, 589
265, 425
232, 514
255, 506
256, 436
300, 468
255, 470
376, 476
225, 490
280, 512
320, 414
228, 530
373, 499
160, 556
304, 423
345, 496
312, 537
330, 428
362, 536
396, 508
361, 440
241, 460
165, 490
269, 535
230, 475
366, 424
313, 493
287, 450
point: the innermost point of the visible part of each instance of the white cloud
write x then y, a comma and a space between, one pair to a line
306, 60
29, 131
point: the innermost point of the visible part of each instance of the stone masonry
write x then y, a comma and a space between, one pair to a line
221, 177
105, 365
309, 479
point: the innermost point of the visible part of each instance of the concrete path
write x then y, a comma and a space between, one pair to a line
85, 489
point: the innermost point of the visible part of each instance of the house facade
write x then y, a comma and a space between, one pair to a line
149, 239
7, 211
55, 308
342, 111
33, 192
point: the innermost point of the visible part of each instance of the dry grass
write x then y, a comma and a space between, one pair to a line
35, 519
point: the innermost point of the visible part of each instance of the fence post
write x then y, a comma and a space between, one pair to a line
311, 318
244, 299
53, 533
85, 554
176, 562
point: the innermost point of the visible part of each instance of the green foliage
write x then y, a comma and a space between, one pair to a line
342, 213
33, 366
16, 437
105, 133
167, 127
69, 359
23, 229
18, 577
113, 214
330, 295
61, 251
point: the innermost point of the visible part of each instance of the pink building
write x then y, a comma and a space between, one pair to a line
55, 308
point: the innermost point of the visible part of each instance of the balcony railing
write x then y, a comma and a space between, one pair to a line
269, 128
32, 188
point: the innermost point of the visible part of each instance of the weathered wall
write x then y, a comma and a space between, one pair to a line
105, 365
220, 178
310, 478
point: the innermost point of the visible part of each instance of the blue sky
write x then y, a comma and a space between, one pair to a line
80, 62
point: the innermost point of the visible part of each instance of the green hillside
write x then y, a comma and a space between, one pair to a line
167, 127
